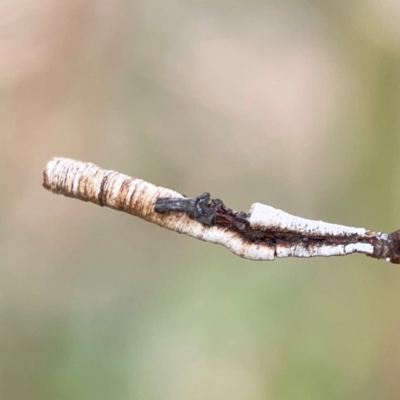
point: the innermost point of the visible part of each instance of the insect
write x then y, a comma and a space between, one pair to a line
199, 208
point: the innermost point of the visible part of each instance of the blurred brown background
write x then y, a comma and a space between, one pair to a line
291, 103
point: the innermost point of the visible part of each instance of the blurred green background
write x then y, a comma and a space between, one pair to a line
290, 103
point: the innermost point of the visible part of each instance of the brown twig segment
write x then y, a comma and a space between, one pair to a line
262, 234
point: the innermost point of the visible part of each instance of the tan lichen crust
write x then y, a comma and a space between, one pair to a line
263, 234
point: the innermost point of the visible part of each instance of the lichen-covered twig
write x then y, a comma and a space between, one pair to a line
262, 234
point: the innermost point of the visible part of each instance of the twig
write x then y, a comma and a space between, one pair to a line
262, 234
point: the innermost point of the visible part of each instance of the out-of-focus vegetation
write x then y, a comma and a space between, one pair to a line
290, 103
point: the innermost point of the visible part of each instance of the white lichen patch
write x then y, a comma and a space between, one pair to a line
267, 217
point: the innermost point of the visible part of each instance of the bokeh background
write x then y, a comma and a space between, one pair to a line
291, 103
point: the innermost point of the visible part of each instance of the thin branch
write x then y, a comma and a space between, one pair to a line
262, 234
